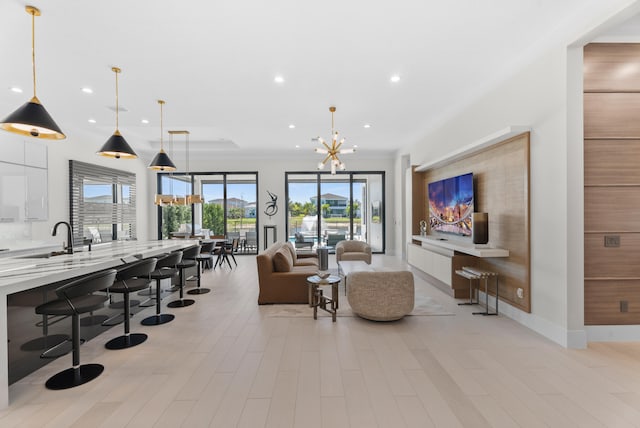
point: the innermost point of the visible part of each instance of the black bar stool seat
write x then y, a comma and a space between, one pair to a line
165, 269
188, 261
132, 278
75, 298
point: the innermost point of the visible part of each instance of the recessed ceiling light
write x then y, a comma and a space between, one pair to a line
297, 146
145, 121
87, 90
92, 121
292, 126
355, 146
366, 125
395, 78
278, 79
16, 89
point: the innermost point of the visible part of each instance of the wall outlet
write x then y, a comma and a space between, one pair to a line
612, 240
624, 306
520, 293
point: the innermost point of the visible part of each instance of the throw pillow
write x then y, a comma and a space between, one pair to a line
292, 250
282, 261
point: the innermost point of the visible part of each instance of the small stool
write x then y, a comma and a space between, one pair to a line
134, 277
75, 298
188, 261
164, 270
471, 277
203, 259
485, 275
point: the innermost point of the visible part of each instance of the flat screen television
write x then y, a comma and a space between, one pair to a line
451, 205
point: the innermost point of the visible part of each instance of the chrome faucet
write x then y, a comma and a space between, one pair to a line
69, 237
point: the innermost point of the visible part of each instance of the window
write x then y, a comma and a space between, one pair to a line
228, 208
324, 208
103, 203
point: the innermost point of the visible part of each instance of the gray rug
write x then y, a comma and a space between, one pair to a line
424, 306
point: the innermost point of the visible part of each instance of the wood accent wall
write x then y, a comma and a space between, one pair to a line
501, 181
612, 183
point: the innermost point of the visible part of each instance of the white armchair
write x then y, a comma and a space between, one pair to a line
353, 250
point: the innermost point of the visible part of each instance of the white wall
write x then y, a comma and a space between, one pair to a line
537, 96
271, 177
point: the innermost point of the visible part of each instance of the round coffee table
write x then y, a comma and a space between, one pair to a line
318, 299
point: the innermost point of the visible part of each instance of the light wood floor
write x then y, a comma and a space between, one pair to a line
223, 363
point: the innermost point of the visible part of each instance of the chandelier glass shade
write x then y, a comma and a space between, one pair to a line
32, 119
116, 146
331, 152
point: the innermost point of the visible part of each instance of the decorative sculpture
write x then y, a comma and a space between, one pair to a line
423, 228
272, 205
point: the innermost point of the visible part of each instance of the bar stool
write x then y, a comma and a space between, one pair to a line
188, 261
134, 277
75, 298
165, 269
203, 258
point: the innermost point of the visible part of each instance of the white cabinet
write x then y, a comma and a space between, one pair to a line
441, 264
37, 204
12, 193
23, 181
35, 154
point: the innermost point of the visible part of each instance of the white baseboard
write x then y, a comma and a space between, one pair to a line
613, 333
563, 337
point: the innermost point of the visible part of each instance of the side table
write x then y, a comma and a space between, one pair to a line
318, 299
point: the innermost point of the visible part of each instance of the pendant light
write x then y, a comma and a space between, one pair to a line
188, 199
31, 118
116, 146
161, 161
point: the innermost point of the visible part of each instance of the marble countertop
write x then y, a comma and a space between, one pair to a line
27, 271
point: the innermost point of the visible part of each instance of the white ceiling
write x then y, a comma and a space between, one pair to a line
214, 63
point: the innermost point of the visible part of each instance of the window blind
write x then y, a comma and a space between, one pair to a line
102, 203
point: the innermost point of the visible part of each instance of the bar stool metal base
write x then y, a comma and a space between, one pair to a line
126, 341
180, 303
75, 376
198, 291
158, 319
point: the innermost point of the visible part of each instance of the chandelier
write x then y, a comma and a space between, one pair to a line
189, 198
331, 152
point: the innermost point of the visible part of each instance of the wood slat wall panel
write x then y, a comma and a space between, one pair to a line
612, 262
501, 176
614, 209
608, 67
611, 162
611, 115
602, 302
611, 153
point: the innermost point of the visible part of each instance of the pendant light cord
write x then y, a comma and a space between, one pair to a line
33, 49
161, 131
117, 105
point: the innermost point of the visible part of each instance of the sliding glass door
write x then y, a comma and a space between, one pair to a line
323, 209
228, 208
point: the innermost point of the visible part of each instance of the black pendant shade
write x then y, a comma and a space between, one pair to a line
31, 119
161, 162
117, 147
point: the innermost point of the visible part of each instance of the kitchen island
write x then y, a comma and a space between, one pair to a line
34, 270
